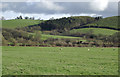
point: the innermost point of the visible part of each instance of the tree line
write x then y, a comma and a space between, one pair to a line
62, 24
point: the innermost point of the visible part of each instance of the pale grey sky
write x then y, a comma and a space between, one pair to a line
47, 9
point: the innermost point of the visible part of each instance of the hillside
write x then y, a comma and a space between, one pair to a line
109, 22
18, 23
76, 22
64, 23
95, 31
57, 32
45, 36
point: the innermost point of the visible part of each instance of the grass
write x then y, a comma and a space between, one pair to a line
18, 23
0, 61
53, 61
111, 22
95, 31
46, 36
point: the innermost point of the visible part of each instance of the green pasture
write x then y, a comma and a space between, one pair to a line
59, 61
19, 23
46, 36
95, 31
111, 22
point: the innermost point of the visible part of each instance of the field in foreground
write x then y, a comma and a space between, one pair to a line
53, 61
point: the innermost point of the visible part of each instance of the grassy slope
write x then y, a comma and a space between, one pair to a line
18, 23
45, 36
95, 31
52, 61
106, 22
111, 22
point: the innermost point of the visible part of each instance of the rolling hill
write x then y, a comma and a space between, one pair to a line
109, 22
45, 36
64, 23
77, 22
85, 32
18, 23
95, 31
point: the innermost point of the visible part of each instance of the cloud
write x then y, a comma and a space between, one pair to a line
3, 5
99, 5
29, 2
10, 14
50, 5
13, 15
55, 8
85, 14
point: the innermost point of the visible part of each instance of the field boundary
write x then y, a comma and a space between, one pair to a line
60, 76
62, 46
94, 27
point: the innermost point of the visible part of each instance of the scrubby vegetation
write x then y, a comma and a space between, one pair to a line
21, 38
18, 37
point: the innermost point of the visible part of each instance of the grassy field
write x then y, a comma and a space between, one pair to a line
111, 22
95, 31
53, 61
0, 61
46, 36
18, 23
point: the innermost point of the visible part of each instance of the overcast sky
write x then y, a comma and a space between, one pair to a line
47, 9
